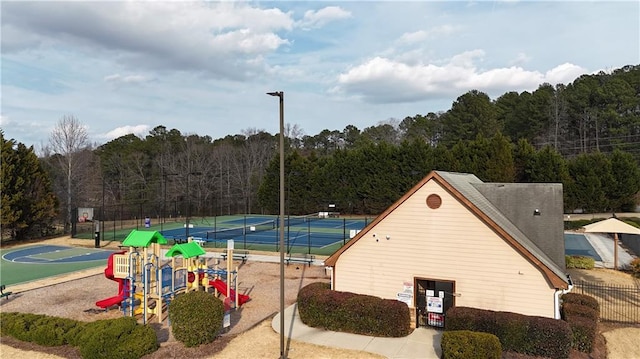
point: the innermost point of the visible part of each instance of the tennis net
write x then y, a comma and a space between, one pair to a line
230, 233
297, 220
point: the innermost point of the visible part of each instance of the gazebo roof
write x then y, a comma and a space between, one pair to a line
143, 238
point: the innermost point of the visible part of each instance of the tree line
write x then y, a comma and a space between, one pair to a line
584, 135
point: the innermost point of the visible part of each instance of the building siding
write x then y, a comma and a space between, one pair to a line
450, 244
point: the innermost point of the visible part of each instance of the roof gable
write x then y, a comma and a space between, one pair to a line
187, 250
463, 187
143, 238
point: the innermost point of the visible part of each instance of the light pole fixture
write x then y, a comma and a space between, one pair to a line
280, 94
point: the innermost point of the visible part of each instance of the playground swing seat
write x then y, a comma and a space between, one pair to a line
3, 293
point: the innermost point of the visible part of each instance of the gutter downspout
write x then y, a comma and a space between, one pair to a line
558, 293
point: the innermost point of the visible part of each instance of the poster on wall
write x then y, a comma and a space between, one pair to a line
434, 304
406, 296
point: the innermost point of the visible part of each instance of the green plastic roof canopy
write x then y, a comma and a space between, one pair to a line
187, 250
143, 238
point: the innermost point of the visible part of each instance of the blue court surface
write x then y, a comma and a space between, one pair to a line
318, 232
49, 254
577, 245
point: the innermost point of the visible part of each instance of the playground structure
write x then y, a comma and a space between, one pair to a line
146, 284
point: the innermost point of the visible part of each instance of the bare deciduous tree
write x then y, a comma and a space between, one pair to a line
68, 141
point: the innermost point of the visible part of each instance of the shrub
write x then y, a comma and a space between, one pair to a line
581, 299
309, 304
635, 267
51, 331
196, 318
550, 338
573, 225
536, 336
19, 325
321, 307
578, 310
583, 333
109, 339
464, 344
579, 262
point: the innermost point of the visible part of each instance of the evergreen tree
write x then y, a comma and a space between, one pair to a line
28, 202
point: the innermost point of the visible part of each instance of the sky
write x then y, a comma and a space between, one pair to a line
204, 67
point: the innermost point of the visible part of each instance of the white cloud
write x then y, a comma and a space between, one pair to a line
520, 59
316, 19
219, 38
383, 80
423, 35
130, 79
138, 130
4, 120
564, 73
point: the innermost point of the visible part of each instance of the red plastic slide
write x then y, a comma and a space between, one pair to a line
222, 288
108, 272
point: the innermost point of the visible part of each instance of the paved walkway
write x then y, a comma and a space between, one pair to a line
422, 343
604, 246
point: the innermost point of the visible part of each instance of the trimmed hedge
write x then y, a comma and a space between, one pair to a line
581, 299
120, 338
319, 306
583, 332
578, 310
579, 262
464, 344
530, 335
112, 338
582, 313
196, 318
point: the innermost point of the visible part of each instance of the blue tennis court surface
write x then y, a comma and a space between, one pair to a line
299, 231
577, 245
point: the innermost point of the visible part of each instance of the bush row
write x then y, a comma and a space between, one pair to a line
319, 306
579, 262
530, 335
110, 338
582, 313
465, 344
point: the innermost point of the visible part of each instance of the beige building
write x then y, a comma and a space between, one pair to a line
454, 240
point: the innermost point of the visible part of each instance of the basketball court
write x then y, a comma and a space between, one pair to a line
25, 264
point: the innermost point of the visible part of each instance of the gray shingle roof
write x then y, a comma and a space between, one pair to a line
471, 187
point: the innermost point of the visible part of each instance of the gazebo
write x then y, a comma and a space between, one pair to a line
615, 226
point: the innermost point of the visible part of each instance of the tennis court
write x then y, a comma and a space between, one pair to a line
30, 263
262, 232
576, 244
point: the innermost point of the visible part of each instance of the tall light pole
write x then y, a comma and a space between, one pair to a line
280, 94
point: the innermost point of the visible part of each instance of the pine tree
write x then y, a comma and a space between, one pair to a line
28, 202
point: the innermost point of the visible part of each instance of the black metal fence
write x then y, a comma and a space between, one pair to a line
618, 303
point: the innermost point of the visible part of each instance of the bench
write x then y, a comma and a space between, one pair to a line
237, 255
301, 258
3, 293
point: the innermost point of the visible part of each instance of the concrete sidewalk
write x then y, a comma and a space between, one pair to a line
604, 246
422, 343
